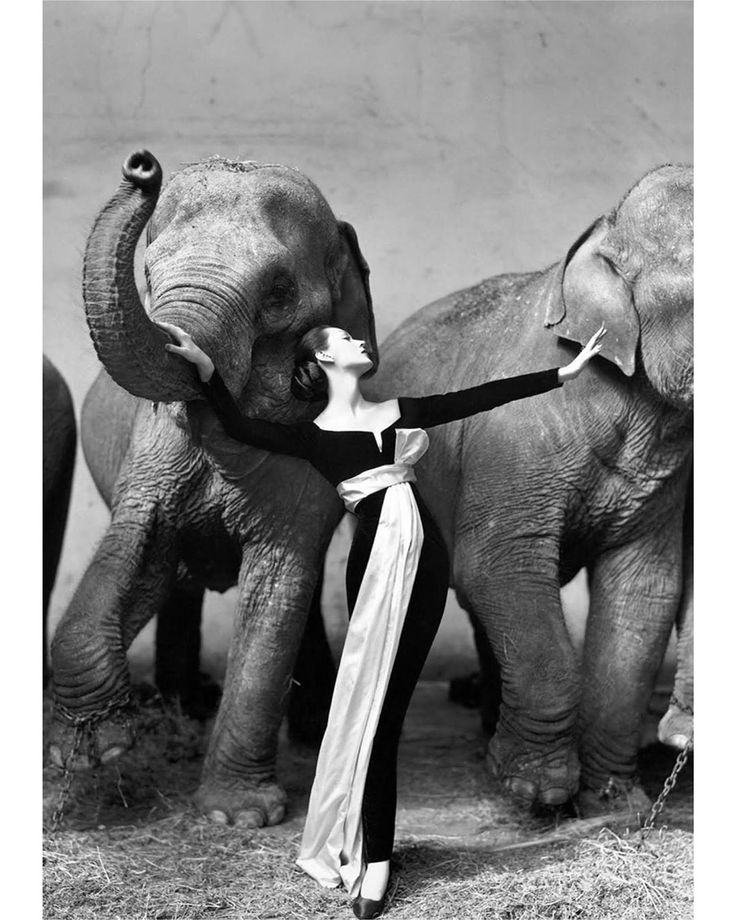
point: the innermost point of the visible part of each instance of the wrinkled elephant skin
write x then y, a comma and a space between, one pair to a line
594, 474
247, 257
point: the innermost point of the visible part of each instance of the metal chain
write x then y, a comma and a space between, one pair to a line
80, 730
669, 785
683, 707
90, 717
83, 725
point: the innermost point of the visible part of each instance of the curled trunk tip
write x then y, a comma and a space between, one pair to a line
143, 169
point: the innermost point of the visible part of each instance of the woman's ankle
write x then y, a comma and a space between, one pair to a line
375, 880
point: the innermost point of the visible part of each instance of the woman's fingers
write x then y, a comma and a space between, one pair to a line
180, 334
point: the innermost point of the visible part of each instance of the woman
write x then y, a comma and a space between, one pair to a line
397, 579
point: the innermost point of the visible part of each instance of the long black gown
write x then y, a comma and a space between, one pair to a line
339, 456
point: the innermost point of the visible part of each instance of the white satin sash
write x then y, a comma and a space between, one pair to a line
332, 842
354, 490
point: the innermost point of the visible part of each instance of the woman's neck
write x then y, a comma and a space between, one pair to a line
344, 394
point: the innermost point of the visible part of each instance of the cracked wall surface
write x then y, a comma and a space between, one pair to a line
460, 139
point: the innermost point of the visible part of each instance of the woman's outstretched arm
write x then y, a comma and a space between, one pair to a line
274, 436
258, 432
426, 411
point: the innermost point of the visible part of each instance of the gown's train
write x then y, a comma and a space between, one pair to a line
397, 577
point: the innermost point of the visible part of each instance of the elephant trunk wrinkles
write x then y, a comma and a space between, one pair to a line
210, 301
130, 346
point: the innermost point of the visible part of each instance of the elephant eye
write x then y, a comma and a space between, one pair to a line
281, 290
620, 266
610, 263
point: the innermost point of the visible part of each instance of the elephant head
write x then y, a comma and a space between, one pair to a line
632, 269
244, 256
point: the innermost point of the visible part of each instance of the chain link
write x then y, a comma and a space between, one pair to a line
669, 785
80, 730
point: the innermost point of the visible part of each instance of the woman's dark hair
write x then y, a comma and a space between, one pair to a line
309, 381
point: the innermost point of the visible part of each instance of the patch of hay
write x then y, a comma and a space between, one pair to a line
604, 877
181, 868
132, 847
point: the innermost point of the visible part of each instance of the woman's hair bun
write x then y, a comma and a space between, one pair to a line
309, 381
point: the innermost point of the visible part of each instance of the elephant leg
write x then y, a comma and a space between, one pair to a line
122, 588
54, 522
482, 689
490, 683
516, 599
676, 725
239, 774
178, 645
314, 678
55, 512
634, 594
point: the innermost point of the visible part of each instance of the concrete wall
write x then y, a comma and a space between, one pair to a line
460, 139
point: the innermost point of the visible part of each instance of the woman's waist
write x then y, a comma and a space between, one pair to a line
369, 508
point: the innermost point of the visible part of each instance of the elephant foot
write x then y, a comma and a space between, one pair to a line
84, 745
676, 727
534, 777
260, 805
615, 796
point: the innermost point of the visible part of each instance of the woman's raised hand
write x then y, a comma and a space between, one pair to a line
189, 350
589, 351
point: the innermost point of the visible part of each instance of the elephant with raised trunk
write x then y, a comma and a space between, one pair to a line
247, 257
593, 475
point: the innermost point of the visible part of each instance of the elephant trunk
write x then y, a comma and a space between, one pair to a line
128, 343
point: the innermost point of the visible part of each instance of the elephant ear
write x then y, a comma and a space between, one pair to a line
586, 290
353, 306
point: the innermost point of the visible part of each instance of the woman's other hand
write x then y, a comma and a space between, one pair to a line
592, 348
189, 350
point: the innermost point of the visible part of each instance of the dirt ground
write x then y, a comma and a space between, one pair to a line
130, 843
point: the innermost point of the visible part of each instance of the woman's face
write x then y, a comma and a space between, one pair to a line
345, 352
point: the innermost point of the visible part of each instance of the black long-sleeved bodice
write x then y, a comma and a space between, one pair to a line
339, 455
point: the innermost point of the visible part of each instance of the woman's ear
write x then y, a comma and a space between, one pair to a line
324, 357
586, 290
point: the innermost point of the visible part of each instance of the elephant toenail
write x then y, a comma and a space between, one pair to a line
252, 817
218, 817
554, 796
521, 788
276, 816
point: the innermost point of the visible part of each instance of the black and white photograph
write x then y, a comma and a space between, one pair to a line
368, 460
